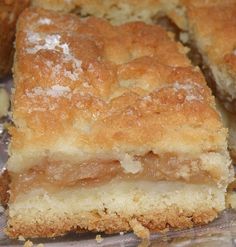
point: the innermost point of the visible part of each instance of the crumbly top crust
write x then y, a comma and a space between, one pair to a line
85, 87
217, 39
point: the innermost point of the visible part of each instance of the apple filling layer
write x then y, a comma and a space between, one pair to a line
58, 174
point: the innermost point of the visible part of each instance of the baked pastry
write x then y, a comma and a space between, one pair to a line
115, 130
9, 11
215, 42
116, 11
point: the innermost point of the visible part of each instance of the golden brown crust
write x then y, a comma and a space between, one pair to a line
9, 12
113, 207
109, 90
216, 42
110, 223
85, 89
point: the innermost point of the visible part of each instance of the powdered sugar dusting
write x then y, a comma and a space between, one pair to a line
45, 21
189, 88
177, 86
53, 42
147, 98
33, 37
58, 91
91, 68
72, 75
54, 91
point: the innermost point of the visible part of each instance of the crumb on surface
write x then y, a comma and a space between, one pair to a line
21, 238
99, 239
139, 229
40, 245
28, 243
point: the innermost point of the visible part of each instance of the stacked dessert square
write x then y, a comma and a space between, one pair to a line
114, 131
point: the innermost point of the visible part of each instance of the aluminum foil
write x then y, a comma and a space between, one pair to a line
221, 232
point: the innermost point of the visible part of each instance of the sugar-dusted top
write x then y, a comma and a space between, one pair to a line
86, 88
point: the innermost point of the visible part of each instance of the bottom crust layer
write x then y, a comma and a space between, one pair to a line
115, 207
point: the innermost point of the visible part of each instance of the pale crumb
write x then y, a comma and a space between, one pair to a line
4, 102
121, 233
21, 238
231, 199
28, 243
40, 245
130, 165
99, 239
184, 37
139, 229
44, 21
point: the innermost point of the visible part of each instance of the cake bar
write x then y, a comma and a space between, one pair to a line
115, 131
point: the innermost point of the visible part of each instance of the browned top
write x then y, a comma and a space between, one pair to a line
9, 11
85, 89
214, 24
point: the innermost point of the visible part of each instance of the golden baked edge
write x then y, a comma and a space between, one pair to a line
118, 206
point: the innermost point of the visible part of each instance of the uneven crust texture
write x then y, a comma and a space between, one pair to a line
85, 91
109, 91
116, 11
115, 207
9, 12
140, 224
216, 41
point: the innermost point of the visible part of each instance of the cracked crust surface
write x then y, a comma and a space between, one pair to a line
109, 91
129, 89
216, 41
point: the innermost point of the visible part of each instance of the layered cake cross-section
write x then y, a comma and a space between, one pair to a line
114, 131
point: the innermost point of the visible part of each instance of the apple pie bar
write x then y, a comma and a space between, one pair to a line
114, 131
